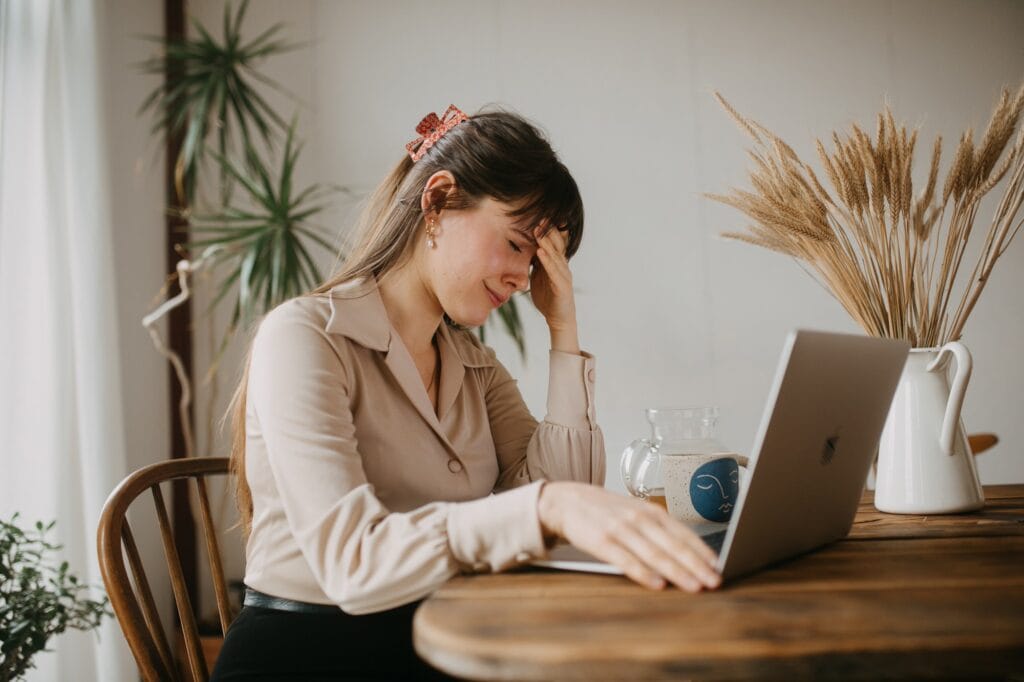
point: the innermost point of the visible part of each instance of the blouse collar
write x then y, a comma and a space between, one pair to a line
358, 313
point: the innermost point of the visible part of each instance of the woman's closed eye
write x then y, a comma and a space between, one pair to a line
515, 247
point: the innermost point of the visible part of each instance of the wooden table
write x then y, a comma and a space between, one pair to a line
900, 596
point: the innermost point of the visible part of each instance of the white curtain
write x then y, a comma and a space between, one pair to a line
61, 421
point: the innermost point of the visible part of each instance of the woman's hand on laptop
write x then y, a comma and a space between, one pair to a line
639, 537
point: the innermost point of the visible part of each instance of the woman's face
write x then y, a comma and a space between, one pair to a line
479, 261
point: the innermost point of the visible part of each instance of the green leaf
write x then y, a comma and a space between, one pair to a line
229, 39
306, 212
240, 115
205, 36
238, 18
316, 238
312, 273
38, 596
209, 84
245, 278
244, 179
225, 288
261, 103
244, 100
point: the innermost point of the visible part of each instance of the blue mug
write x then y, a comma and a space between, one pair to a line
702, 487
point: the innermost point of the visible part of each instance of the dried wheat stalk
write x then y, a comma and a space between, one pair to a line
890, 257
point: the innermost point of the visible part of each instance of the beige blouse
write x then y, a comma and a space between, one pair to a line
363, 496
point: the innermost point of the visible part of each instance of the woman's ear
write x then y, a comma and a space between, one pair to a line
435, 192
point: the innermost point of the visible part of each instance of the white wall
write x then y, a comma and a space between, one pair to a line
625, 93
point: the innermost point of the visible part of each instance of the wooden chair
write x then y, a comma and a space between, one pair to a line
132, 599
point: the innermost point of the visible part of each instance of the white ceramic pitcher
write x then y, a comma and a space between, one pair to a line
925, 464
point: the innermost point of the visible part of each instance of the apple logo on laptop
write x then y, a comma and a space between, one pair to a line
828, 451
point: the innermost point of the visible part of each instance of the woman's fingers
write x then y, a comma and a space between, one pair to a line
691, 557
683, 534
557, 257
617, 553
641, 539
550, 272
655, 559
557, 272
557, 238
553, 236
675, 560
553, 259
551, 252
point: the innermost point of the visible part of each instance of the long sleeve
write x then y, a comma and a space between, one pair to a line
363, 556
567, 445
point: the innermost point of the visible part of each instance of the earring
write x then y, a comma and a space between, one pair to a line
431, 232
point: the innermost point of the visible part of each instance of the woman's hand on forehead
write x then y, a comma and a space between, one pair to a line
545, 227
551, 284
545, 230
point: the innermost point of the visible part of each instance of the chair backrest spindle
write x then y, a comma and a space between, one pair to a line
148, 604
187, 618
131, 597
220, 585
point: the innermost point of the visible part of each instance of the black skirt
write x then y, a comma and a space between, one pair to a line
268, 644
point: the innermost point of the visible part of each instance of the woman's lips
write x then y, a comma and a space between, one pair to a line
495, 300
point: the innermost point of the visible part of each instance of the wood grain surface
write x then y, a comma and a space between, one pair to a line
935, 596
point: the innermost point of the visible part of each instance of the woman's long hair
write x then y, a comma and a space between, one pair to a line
496, 154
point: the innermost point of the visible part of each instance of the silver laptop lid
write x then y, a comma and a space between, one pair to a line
818, 436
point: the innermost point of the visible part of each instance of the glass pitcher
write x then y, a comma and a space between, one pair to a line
674, 432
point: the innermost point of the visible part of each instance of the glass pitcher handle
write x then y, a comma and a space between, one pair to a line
634, 454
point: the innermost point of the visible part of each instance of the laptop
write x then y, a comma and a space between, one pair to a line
809, 464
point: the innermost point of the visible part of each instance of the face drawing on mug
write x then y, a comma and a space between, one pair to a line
714, 488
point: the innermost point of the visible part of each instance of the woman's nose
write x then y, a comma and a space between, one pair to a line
519, 279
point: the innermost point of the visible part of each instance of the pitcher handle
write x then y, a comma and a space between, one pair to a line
956, 391
638, 449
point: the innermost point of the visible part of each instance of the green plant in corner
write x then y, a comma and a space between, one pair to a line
264, 241
37, 599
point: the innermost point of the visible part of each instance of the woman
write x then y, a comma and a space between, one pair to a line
372, 426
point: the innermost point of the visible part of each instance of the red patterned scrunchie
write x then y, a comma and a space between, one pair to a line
432, 129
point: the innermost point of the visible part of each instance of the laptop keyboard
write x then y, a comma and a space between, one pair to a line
714, 540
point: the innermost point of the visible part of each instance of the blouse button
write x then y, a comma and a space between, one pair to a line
454, 466
591, 373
